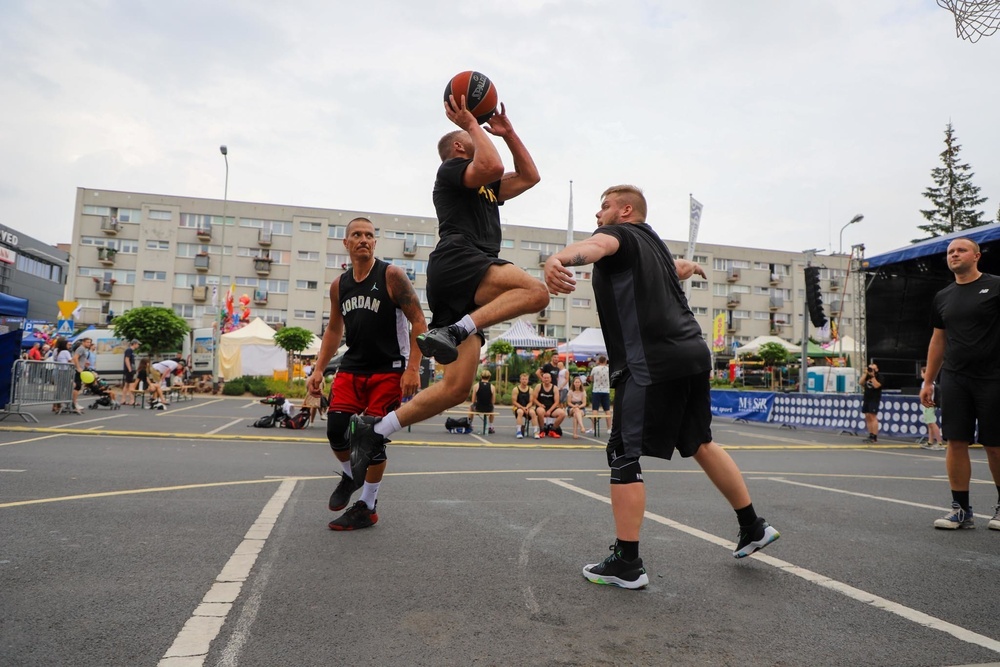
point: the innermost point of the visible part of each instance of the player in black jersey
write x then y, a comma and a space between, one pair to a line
483, 398
373, 301
469, 288
660, 369
965, 347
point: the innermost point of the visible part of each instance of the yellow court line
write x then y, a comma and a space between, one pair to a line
424, 473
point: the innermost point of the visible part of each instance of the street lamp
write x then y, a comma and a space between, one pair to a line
218, 288
857, 218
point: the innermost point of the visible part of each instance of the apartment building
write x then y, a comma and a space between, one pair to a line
134, 249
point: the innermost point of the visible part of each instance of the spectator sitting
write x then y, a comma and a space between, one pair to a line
483, 398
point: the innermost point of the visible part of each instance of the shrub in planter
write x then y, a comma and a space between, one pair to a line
234, 388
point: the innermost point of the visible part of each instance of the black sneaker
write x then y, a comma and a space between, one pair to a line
442, 344
365, 442
755, 537
342, 494
614, 571
359, 516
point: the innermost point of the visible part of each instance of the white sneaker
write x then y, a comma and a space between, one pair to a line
518, 435
589, 431
995, 521
537, 436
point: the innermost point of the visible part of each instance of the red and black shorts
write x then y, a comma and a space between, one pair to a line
376, 395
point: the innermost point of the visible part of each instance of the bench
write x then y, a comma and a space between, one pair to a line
486, 418
139, 398
180, 392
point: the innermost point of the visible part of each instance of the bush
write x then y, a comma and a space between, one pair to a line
234, 388
259, 388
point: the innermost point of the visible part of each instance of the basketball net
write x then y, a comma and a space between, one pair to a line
974, 18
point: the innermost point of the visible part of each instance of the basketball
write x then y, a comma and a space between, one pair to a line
480, 93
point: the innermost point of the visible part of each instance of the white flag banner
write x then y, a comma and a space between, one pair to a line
215, 296
695, 220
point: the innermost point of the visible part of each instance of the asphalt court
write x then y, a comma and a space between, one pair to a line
184, 537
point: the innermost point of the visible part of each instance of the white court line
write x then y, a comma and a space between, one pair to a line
99, 419
847, 590
481, 439
11, 470
174, 410
18, 442
222, 428
249, 405
936, 508
190, 647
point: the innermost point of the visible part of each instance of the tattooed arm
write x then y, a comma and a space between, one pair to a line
558, 278
401, 292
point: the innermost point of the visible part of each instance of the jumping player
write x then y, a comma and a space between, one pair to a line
372, 301
469, 288
660, 369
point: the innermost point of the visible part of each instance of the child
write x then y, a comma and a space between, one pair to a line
930, 418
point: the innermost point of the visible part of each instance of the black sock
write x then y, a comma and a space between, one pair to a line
962, 498
627, 550
746, 516
998, 494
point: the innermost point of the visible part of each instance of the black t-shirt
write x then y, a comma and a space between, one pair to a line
378, 340
871, 392
648, 328
552, 371
547, 397
471, 214
484, 394
130, 356
970, 317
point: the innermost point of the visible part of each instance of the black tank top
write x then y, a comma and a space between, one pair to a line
484, 394
547, 398
523, 397
377, 337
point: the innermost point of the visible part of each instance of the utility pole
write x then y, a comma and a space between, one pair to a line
804, 362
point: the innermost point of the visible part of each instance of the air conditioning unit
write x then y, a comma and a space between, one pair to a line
543, 316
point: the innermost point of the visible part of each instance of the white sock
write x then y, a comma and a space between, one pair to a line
369, 493
346, 465
388, 425
467, 324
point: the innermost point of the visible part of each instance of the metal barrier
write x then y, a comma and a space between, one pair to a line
38, 383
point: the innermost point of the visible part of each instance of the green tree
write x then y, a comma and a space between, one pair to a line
155, 328
774, 355
292, 340
500, 348
953, 196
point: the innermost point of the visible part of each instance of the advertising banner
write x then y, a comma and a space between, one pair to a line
753, 406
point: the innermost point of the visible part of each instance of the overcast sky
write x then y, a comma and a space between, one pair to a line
785, 119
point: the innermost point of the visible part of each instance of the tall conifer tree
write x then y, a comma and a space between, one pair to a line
953, 196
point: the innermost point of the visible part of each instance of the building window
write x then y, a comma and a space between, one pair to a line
305, 314
550, 248
157, 245
507, 243
276, 227
308, 255
336, 231
97, 210
552, 330
160, 215
132, 215
581, 303
422, 240
581, 274
557, 304
720, 264
741, 314
154, 275
306, 284
310, 226
699, 284
335, 261
700, 259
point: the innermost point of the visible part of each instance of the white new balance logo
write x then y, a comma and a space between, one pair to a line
984, 291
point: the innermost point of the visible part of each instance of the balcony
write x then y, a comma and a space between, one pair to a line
199, 292
733, 275
836, 284
776, 279
264, 238
733, 300
202, 261
104, 287
733, 326
411, 274
262, 265
409, 247
543, 257
204, 233
776, 303
109, 225
106, 256
543, 316
836, 307
259, 297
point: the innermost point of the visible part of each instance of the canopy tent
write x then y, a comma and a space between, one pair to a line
524, 335
845, 346
312, 349
12, 306
934, 247
754, 345
589, 343
250, 350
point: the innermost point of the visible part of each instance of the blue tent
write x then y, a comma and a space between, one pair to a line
28, 341
936, 246
12, 306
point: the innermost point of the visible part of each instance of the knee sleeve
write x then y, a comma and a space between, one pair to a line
336, 429
336, 432
625, 470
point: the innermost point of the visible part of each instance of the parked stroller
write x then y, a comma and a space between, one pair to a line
97, 387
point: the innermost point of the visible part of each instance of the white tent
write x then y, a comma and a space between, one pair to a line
251, 351
312, 349
590, 343
754, 345
524, 335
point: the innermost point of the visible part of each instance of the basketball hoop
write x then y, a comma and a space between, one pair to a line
974, 18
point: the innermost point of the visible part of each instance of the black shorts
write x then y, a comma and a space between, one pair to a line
482, 407
657, 419
454, 271
869, 406
77, 381
127, 377
600, 401
967, 401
